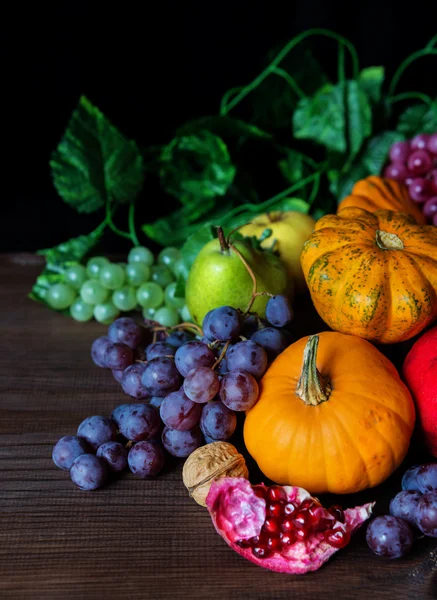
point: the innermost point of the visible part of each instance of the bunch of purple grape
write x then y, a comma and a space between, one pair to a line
414, 162
413, 508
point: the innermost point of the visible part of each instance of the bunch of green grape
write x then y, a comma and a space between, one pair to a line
102, 289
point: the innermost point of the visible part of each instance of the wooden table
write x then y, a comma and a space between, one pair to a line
133, 539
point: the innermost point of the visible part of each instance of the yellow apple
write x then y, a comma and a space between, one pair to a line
290, 229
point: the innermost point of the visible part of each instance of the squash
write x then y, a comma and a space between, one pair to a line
376, 193
373, 274
333, 416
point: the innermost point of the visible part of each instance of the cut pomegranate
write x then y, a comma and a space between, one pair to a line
280, 528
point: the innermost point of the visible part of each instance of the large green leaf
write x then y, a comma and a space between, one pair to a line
359, 116
196, 166
419, 118
371, 80
375, 154
94, 162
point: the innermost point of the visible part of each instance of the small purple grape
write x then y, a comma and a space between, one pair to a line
146, 459
404, 506
222, 324
399, 151
247, 356
218, 421
239, 390
126, 331
120, 412
159, 349
192, 355
389, 536
139, 422
179, 412
420, 478
278, 311
273, 340
117, 375
156, 401
118, 356
97, 430
201, 384
181, 443
426, 514
178, 338
131, 382
115, 456
98, 350
161, 377
88, 472
67, 449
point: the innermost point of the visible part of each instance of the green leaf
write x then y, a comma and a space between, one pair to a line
375, 154
371, 80
419, 118
94, 162
341, 185
196, 166
59, 259
223, 126
337, 117
292, 166
195, 243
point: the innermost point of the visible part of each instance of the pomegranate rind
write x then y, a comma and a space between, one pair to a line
238, 514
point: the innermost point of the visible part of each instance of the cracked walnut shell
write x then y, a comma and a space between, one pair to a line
208, 463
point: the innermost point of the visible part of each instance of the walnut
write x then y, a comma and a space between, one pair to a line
210, 462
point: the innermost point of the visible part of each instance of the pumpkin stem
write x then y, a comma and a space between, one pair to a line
312, 387
388, 241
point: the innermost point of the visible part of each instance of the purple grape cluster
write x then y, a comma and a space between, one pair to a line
414, 162
415, 507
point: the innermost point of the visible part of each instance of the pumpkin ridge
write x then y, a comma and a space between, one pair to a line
426, 287
388, 407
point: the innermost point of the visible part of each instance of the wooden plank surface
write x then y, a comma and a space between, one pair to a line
133, 539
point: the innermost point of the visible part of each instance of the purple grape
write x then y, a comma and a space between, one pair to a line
404, 506
177, 338
156, 401
419, 142
419, 162
209, 440
115, 456
426, 514
181, 443
432, 144
399, 152
274, 341
88, 472
139, 422
131, 381
430, 207
98, 350
420, 478
67, 449
192, 355
120, 412
179, 412
117, 375
222, 324
161, 377
419, 190
126, 331
146, 459
118, 356
250, 325
222, 367
247, 356
278, 311
409, 481
239, 390
159, 349
201, 384
396, 171
97, 430
218, 421
389, 536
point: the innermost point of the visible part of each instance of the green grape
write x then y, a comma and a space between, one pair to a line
149, 313
179, 269
81, 311
125, 298
166, 316
112, 276
161, 275
93, 292
170, 299
150, 295
137, 273
185, 315
140, 254
60, 296
169, 256
94, 265
76, 276
106, 313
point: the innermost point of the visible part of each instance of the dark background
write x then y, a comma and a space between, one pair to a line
153, 68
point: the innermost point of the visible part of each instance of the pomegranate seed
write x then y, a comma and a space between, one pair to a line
260, 491
273, 544
337, 512
289, 509
253, 541
277, 494
260, 552
316, 516
300, 520
274, 510
337, 537
287, 525
287, 538
271, 525
307, 503
301, 534
243, 543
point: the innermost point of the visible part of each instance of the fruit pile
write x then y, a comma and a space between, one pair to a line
102, 289
414, 162
413, 508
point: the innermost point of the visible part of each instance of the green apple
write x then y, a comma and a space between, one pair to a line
219, 277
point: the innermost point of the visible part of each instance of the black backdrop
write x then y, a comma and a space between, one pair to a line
150, 69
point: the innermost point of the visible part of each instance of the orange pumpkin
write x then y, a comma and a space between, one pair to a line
376, 193
332, 416
373, 274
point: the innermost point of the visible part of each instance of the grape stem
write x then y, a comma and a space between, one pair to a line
222, 355
252, 300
